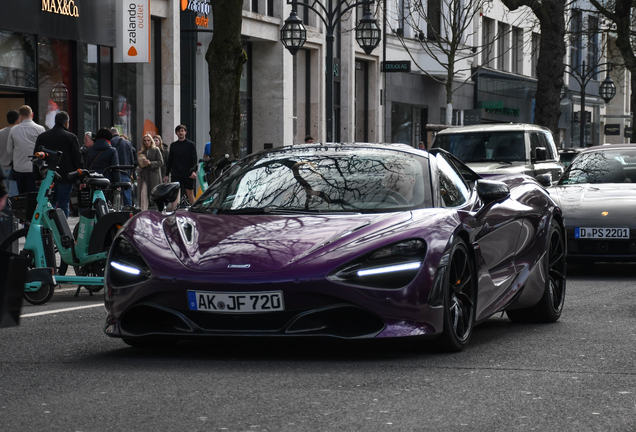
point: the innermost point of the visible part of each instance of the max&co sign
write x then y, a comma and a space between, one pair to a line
61, 7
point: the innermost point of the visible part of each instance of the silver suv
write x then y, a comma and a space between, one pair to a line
504, 149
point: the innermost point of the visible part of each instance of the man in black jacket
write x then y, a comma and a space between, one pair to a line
60, 139
182, 157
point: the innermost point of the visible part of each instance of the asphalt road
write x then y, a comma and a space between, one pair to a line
59, 372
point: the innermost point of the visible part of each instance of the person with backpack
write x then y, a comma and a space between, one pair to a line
101, 155
127, 156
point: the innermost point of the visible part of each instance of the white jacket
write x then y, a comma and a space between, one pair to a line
21, 144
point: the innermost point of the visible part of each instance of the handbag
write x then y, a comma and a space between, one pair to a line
13, 270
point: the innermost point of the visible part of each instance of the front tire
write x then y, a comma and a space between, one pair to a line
45, 292
460, 294
549, 308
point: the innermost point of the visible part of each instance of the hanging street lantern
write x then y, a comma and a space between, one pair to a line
607, 90
293, 34
368, 33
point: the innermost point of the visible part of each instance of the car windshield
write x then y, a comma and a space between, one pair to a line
484, 146
606, 166
320, 179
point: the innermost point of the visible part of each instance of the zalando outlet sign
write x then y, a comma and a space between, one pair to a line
198, 7
133, 32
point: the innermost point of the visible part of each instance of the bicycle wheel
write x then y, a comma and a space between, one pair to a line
45, 292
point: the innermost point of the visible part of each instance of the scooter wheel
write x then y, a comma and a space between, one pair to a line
41, 296
45, 292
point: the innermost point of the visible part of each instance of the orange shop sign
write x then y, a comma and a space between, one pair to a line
199, 7
133, 32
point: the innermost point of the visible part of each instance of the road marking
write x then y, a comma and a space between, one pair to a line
60, 310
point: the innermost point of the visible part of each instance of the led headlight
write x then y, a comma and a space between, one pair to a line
390, 267
126, 266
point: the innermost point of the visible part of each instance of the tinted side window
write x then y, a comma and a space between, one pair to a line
543, 142
534, 143
452, 187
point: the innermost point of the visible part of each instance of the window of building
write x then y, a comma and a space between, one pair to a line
401, 123
54, 70
503, 47
401, 16
517, 50
592, 44
125, 100
536, 39
576, 39
487, 40
17, 60
434, 10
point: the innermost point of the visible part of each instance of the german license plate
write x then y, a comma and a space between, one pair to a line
601, 233
226, 302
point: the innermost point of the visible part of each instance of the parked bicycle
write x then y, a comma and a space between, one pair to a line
48, 233
116, 188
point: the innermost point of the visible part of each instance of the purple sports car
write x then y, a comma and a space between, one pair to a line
341, 240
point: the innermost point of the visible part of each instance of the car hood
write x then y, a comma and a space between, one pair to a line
587, 202
489, 168
262, 243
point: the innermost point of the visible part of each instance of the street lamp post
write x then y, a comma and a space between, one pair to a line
293, 36
607, 90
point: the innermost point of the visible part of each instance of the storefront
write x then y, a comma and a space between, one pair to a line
58, 56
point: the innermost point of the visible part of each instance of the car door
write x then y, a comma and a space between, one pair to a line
549, 166
497, 229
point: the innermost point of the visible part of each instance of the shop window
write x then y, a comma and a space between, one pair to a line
401, 123
91, 83
17, 60
54, 73
125, 99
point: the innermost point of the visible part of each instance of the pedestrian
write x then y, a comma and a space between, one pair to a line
13, 118
60, 139
102, 155
21, 146
421, 145
309, 139
183, 157
89, 140
149, 169
127, 156
164, 153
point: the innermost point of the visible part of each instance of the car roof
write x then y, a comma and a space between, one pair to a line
387, 146
609, 147
494, 127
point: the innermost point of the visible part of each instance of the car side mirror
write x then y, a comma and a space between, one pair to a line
492, 191
544, 179
540, 154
